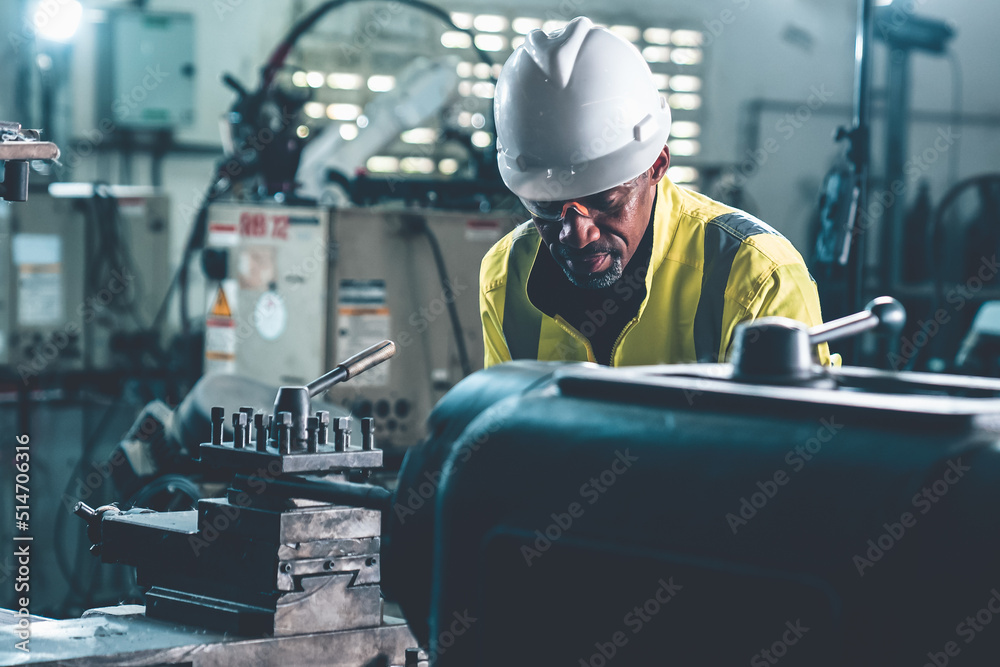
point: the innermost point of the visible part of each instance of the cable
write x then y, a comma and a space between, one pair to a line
111, 253
420, 224
195, 238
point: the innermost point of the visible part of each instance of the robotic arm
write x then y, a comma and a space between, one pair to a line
422, 89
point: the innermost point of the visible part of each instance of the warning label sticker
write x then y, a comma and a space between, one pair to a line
220, 330
362, 321
223, 234
220, 346
220, 308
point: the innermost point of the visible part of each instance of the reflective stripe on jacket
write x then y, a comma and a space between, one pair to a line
712, 267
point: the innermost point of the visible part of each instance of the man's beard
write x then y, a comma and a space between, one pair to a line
600, 280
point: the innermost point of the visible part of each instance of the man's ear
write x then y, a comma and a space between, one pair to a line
659, 168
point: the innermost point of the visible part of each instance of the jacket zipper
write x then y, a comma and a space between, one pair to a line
591, 357
625, 330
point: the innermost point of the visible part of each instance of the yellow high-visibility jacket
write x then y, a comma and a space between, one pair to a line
712, 267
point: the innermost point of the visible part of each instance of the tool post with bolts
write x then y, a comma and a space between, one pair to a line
275, 556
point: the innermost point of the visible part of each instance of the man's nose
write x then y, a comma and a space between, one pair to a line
578, 231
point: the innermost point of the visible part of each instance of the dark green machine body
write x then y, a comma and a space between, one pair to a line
576, 515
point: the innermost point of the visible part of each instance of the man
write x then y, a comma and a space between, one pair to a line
617, 265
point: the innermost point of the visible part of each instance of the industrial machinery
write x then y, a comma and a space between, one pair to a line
88, 270
263, 561
704, 514
570, 514
17, 147
410, 275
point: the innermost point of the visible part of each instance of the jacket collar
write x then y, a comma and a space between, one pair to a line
666, 217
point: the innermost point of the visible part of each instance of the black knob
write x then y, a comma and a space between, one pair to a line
890, 313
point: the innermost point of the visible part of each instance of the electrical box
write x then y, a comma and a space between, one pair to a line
330, 283
146, 69
266, 308
79, 275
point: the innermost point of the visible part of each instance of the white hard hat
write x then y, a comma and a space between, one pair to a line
577, 112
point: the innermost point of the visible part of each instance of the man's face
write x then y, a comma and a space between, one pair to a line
599, 234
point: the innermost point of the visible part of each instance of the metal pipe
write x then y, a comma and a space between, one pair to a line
844, 327
357, 364
897, 129
883, 313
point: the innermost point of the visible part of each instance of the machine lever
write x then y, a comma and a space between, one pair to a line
356, 365
883, 313
295, 400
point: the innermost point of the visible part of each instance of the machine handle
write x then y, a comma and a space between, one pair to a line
356, 365
883, 313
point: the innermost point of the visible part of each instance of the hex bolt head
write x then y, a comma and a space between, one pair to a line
260, 432
342, 433
239, 429
284, 432
312, 433
368, 434
248, 411
218, 421
323, 431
